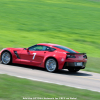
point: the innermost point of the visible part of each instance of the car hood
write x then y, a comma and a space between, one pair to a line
10, 49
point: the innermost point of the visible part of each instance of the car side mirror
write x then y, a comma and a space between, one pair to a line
26, 49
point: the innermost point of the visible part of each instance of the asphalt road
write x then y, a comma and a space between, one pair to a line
82, 79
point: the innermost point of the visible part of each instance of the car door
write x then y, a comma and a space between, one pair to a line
33, 55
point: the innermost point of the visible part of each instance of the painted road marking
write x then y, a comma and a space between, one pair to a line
88, 78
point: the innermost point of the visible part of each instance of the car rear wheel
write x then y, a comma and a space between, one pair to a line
6, 58
73, 70
51, 65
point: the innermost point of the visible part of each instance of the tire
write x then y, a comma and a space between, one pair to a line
6, 58
51, 65
73, 70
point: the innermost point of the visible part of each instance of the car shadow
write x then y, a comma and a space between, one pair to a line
79, 73
63, 72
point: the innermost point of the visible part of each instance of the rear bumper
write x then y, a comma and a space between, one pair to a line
68, 65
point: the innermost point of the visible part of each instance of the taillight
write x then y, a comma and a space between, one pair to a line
85, 56
70, 56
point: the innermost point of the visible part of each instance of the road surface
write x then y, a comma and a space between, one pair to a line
82, 79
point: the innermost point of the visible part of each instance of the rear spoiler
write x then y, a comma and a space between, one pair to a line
76, 53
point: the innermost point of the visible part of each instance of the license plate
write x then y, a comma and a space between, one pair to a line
79, 64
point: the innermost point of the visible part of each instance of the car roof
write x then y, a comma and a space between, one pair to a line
48, 44
52, 45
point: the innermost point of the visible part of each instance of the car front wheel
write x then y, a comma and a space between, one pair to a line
51, 65
6, 58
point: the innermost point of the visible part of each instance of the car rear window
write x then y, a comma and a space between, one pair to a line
65, 48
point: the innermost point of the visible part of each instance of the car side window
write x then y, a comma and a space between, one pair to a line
37, 48
40, 48
48, 49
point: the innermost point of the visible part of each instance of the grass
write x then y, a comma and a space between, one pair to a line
93, 65
72, 23
12, 88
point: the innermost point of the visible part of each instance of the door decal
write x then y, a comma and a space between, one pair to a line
34, 55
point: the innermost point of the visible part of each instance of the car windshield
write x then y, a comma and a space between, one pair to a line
65, 48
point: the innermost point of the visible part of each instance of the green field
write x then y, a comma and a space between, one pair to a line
72, 23
12, 88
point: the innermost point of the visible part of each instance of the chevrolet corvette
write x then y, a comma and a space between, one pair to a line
52, 57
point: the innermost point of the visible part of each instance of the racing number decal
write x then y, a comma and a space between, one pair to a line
34, 55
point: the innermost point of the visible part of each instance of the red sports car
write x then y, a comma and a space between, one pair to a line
46, 55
